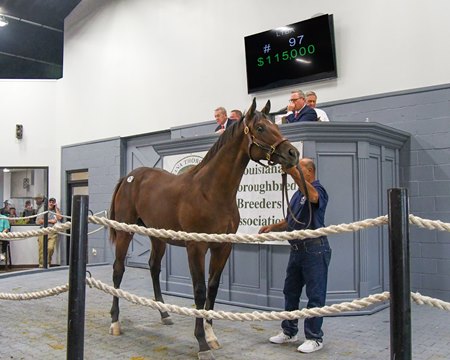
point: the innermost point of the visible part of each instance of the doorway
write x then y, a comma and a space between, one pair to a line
77, 184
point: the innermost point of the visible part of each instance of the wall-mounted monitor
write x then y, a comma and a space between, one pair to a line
292, 54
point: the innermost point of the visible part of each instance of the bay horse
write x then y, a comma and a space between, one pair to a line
202, 200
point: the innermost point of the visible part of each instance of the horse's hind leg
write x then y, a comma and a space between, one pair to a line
122, 242
157, 253
219, 257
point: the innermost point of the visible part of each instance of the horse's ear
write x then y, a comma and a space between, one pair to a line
266, 109
252, 109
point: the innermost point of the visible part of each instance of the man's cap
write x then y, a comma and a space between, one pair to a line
39, 196
8, 202
52, 199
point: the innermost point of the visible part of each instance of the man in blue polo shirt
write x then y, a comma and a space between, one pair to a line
308, 260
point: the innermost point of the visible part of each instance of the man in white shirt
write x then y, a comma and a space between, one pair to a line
311, 101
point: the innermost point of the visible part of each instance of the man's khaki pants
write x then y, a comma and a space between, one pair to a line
52, 238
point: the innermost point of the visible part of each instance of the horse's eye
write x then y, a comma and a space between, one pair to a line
260, 129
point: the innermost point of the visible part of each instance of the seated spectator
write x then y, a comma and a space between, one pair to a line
29, 211
5, 210
4, 227
300, 111
12, 214
311, 101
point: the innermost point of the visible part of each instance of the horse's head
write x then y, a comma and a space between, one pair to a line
265, 141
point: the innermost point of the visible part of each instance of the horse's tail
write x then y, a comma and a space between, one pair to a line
112, 211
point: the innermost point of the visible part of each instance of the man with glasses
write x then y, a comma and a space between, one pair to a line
300, 111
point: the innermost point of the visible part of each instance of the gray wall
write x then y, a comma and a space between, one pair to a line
425, 171
424, 162
103, 160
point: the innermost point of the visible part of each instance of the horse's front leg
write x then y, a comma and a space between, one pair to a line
219, 257
158, 250
197, 268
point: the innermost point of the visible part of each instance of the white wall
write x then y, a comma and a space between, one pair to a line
135, 66
32, 104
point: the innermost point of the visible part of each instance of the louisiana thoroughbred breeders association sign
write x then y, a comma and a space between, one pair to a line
259, 197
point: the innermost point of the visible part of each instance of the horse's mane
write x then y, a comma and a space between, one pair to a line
227, 135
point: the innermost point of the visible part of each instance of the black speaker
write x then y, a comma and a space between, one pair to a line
19, 131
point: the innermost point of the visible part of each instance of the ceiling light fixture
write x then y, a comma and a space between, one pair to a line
3, 21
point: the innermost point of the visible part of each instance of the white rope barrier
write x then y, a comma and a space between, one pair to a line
429, 224
57, 228
36, 294
273, 236
240, 238
235, 238
236, 316
334, 309
43, 231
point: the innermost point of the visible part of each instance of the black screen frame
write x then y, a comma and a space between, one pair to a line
282, 74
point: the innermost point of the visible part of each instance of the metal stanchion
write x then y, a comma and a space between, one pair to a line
399, 275
77, 277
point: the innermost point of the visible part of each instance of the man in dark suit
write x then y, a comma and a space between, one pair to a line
222, 119
300, 111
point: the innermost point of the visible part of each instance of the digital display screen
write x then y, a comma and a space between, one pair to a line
292, 54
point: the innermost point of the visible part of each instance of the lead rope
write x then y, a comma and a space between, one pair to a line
284, 193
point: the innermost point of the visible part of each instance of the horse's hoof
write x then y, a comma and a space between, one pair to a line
206, 355
167, 321
211, 337
114, 329
214, 344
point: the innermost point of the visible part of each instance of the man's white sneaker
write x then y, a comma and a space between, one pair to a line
282, 338
310, 346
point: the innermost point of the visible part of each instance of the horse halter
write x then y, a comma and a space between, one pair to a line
271, 149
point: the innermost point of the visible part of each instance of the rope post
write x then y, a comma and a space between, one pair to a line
77, 277
400, 310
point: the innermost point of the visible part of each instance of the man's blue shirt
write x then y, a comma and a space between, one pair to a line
4, 223
300, 209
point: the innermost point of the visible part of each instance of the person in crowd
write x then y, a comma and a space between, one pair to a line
308, 259
12, 214
235, 115
220, 114
54, 215
311, 101
5, 209
4, 228
300, 111
39, 200
28, 211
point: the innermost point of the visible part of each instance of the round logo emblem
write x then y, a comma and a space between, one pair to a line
186, 163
